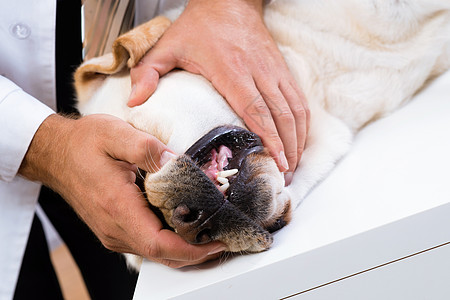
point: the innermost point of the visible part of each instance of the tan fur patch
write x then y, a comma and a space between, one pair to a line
127, 50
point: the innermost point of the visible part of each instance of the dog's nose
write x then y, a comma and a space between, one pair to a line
192, 224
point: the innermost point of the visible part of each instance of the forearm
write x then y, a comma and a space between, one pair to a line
46, 151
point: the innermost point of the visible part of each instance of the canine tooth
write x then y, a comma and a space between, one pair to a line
224, 188
227, 173
222, 180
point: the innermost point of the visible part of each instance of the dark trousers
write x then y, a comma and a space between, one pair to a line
105, 272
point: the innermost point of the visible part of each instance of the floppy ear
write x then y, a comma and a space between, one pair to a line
127, 50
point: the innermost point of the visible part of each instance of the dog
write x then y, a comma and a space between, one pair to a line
356, 61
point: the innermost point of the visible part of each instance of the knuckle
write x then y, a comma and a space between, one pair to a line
173, 264
260, 107
299, 111
291, 155
107, 203
151, 250
274, 138
107, 241
257, 110
107, 245
236, 58
142, 144
286, 116
192, 256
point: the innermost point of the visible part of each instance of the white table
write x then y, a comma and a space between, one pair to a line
378, 227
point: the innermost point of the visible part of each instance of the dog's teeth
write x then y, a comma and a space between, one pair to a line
223, 188
227, 173
222, 180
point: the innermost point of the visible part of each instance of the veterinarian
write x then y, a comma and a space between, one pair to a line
92, 161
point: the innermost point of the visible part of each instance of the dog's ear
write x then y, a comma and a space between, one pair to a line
127, 51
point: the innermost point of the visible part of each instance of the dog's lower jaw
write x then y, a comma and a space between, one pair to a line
248, 242
199, 212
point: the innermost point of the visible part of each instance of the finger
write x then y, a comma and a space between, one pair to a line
299, 114
179, 264
137, 147
163, 245
304, 102
156, 243
145, 75
258, 118
167, 245
144, 81
247, 102
128, 217
284, 121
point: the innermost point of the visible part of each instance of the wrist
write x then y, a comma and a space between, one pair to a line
43, 157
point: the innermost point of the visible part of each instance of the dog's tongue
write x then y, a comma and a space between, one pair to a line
217, 163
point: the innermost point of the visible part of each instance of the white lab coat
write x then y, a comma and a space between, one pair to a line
27, 98
27, 59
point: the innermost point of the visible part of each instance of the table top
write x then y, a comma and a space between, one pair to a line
397, 169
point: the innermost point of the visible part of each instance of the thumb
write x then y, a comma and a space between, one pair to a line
150, 154
145, 75
139, 148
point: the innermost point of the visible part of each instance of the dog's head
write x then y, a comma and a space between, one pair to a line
224, 188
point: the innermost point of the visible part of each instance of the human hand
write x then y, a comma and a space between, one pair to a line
92, 162
228, 43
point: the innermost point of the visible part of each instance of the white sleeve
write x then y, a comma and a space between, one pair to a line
20, 117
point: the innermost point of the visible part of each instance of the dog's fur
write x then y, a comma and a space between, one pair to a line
356, 61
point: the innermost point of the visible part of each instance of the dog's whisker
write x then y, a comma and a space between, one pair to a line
139, 173
151, 164
224, 258
150, 161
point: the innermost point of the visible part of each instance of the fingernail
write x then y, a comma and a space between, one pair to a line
217, 250
166, 156
283, 160
288, 178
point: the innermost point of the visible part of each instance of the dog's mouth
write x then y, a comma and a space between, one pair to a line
222, 188
221, 153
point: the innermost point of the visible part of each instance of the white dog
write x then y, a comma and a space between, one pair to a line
356, 61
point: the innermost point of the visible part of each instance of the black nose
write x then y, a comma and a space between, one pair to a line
194, 225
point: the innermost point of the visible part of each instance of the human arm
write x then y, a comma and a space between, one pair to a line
92, 163
68, 156
228, 43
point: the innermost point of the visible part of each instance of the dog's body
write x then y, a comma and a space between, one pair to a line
355, 61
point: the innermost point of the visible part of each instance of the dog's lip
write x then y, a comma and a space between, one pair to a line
239, 140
